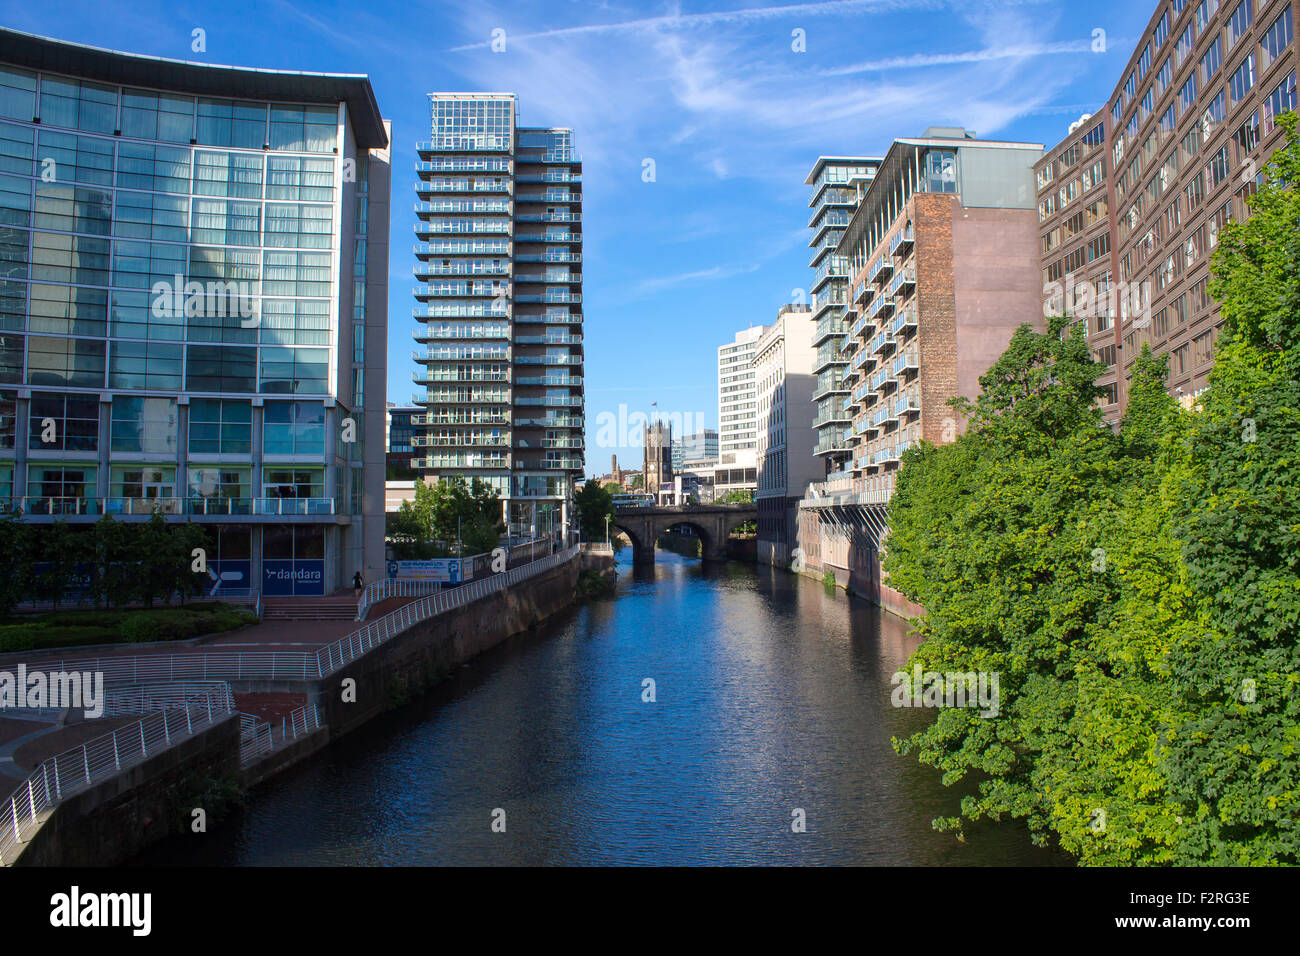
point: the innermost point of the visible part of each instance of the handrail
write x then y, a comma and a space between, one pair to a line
299, 665
78, 769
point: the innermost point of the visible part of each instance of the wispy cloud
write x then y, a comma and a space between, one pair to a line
680, 21
985, 55
648, 286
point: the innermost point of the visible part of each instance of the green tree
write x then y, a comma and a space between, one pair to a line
59, 552
594, 505
16, 560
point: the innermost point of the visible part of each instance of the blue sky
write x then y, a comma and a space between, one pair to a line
713, 92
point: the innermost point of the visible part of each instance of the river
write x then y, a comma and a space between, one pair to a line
771, 704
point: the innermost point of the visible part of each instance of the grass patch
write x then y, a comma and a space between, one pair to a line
80, 628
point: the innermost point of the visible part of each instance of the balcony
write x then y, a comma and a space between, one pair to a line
569, 278
901, 244
908, 404
551, 380
905, 362
905, 281
882, 308
567, 318
904, 321
462, 355
549, 257
553, 401
884, 381
548, 237
882, 344
882, 415
881, 269
548, 360
557, 298
548, 340
861, 393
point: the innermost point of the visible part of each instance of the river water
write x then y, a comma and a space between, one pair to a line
771, 698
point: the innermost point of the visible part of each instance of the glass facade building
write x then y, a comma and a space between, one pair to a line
190, 300
500, 308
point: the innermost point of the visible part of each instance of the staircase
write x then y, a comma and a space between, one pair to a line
343, 608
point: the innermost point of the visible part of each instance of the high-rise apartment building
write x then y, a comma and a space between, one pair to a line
500, 253
838, 183
1189, 130
783, 377
943, 264
193, 297
737, 404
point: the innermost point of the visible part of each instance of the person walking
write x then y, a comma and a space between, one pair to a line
358, 584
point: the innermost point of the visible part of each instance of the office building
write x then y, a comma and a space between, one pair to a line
838, 183
783, 379
737, 408
1188, 131
701, 446
500, 252
193, 297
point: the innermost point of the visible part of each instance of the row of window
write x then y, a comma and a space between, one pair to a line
70, 158
143, 114
151, 426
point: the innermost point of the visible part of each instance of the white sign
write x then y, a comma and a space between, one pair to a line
446, 570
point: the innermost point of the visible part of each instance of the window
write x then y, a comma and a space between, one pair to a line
145, 425
60, 489
221, 427
8, 420
1165, 76
1279, 101
1187, 95
220, 368
1144, 62
294, 371
1216, 171
294, 483
303, 129
72, 104
1275, 40
63, 423
940, 171
1161, 32
147, 115
1243, 79
1212, 60
66, 362
1247, 136
152, 365
231, 123
1213, 116
17, 94
1239, 21
293, 428
218, 490
150, 483
1184, 46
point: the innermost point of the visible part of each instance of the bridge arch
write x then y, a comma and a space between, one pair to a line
714, 523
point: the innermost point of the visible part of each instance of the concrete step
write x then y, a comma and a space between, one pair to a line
309, 609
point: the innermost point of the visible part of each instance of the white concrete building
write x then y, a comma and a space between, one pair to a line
783, 363
737, 407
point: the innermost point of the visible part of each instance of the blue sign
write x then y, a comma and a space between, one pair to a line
304, 576
230, 575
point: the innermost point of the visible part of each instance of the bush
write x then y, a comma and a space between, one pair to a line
139, 627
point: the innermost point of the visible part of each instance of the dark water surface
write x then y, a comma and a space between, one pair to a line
772, 694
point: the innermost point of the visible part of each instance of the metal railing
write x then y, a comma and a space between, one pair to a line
299, 665
259, 738
80, 768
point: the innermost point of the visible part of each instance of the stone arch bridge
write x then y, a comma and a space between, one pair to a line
713, 523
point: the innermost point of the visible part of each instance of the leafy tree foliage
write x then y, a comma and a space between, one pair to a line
594, 505
1138, 592
444, 514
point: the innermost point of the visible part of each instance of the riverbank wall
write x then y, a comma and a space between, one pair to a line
123, 815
